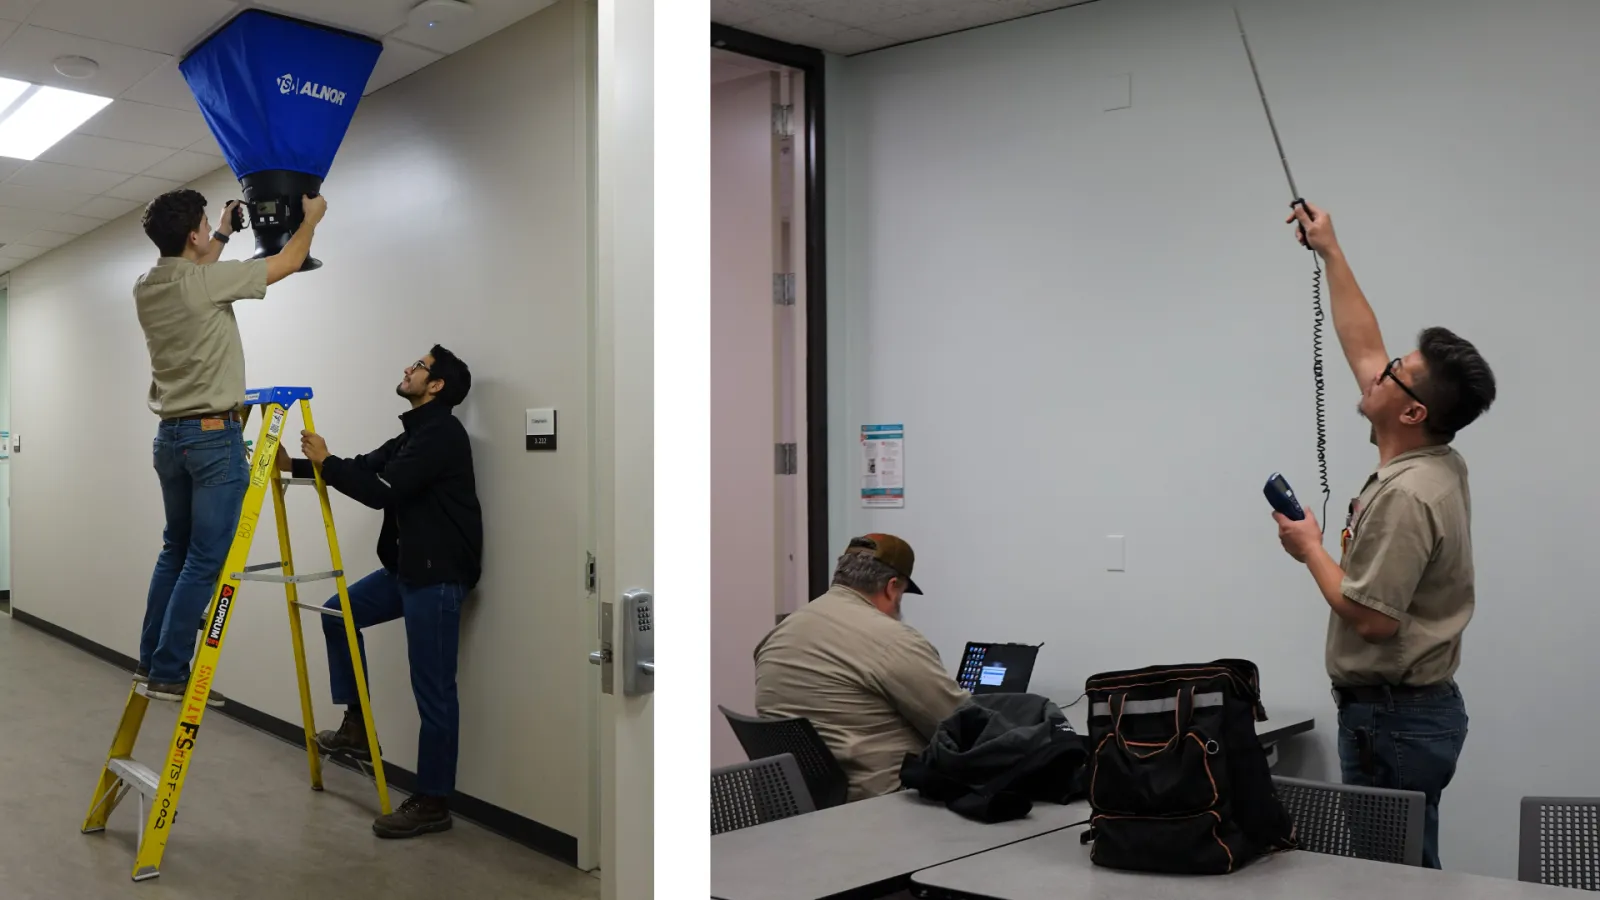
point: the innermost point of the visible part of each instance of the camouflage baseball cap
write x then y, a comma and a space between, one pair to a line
892, 552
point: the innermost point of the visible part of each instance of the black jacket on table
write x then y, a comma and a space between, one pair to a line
422, 480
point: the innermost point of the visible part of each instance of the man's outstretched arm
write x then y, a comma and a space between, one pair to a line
1353, 319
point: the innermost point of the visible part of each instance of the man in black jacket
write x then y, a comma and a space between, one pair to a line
430, 546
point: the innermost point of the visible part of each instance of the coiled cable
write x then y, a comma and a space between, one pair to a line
1316, 374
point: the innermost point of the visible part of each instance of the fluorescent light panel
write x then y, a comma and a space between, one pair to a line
44, 116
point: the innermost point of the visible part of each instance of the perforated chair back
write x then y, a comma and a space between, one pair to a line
761, 790
762, 738
1560, 842
1349, 820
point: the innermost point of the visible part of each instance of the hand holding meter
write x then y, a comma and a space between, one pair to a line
1282, 498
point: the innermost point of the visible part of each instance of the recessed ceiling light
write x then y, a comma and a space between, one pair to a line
35, 117
76, 66
434, 13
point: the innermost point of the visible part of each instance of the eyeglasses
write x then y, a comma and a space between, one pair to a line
419, 364
1388, 373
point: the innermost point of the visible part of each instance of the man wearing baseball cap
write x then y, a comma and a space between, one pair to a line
872, 685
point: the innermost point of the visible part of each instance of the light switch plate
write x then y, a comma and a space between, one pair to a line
1116, 553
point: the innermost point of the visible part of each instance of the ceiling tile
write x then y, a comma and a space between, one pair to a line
865, 13
185, 166
167, 26
736, 12
374, 17
794, 27
488, 18
125, 120
7, 26
398, 60
10, 167
854, 40
46, 239
142, 188
72, 224
17, 10
66, 178
16, 253
207, 144
22, 221
104, 153
46, 199
164, 87
104, 207
938, 22
30, 55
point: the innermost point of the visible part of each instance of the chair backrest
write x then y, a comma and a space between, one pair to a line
1560, 842
761, 790
1349, 820
762, 738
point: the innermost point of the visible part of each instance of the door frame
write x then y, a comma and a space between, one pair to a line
810, 62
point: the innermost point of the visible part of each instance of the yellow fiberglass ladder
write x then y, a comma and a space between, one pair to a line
159, 789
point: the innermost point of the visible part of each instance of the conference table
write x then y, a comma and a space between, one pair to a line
1056, 866
870, 848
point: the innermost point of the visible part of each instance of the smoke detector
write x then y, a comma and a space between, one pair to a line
439, 13
76, 66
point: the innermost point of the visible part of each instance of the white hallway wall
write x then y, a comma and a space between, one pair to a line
1094, 323
457, 214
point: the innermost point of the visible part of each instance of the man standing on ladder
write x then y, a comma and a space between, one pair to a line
431, 548
185, 306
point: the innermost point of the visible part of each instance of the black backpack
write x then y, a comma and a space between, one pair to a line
996, 756
1178, 780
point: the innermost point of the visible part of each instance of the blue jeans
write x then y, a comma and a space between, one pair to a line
203, 478
1411, 743
433, 629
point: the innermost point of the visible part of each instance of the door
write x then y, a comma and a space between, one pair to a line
624, 423
744, 433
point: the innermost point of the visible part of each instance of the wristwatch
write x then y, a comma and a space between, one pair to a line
219, 236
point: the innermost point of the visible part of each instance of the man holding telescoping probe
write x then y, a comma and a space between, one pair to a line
1402, 591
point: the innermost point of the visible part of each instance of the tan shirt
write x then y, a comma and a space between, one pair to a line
1407, 553
186, 311
871, 685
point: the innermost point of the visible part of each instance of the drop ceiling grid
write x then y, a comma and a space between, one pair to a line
152, 138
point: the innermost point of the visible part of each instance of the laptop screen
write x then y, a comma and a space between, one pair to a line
996, 668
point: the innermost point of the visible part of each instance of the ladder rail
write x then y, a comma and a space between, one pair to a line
159, 789
351, 634
292, 591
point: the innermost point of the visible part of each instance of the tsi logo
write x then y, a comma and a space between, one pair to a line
288, 84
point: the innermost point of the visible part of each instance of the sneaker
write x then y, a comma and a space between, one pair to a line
418, 815
350, 739
175, 691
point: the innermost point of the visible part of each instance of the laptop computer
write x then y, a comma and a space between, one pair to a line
997, 668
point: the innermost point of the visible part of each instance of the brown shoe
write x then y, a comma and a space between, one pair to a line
350, 739
418, 815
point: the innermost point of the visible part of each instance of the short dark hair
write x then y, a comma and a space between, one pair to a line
172, 217
457, 378
1458, 384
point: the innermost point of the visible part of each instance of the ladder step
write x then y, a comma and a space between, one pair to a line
248, 575
311, 481
335, 612
135, 774
264, 567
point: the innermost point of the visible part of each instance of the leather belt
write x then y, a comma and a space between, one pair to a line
1386, 693
231, 415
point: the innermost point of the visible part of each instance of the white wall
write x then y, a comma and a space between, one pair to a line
458, 214
5, 464
1095, 323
